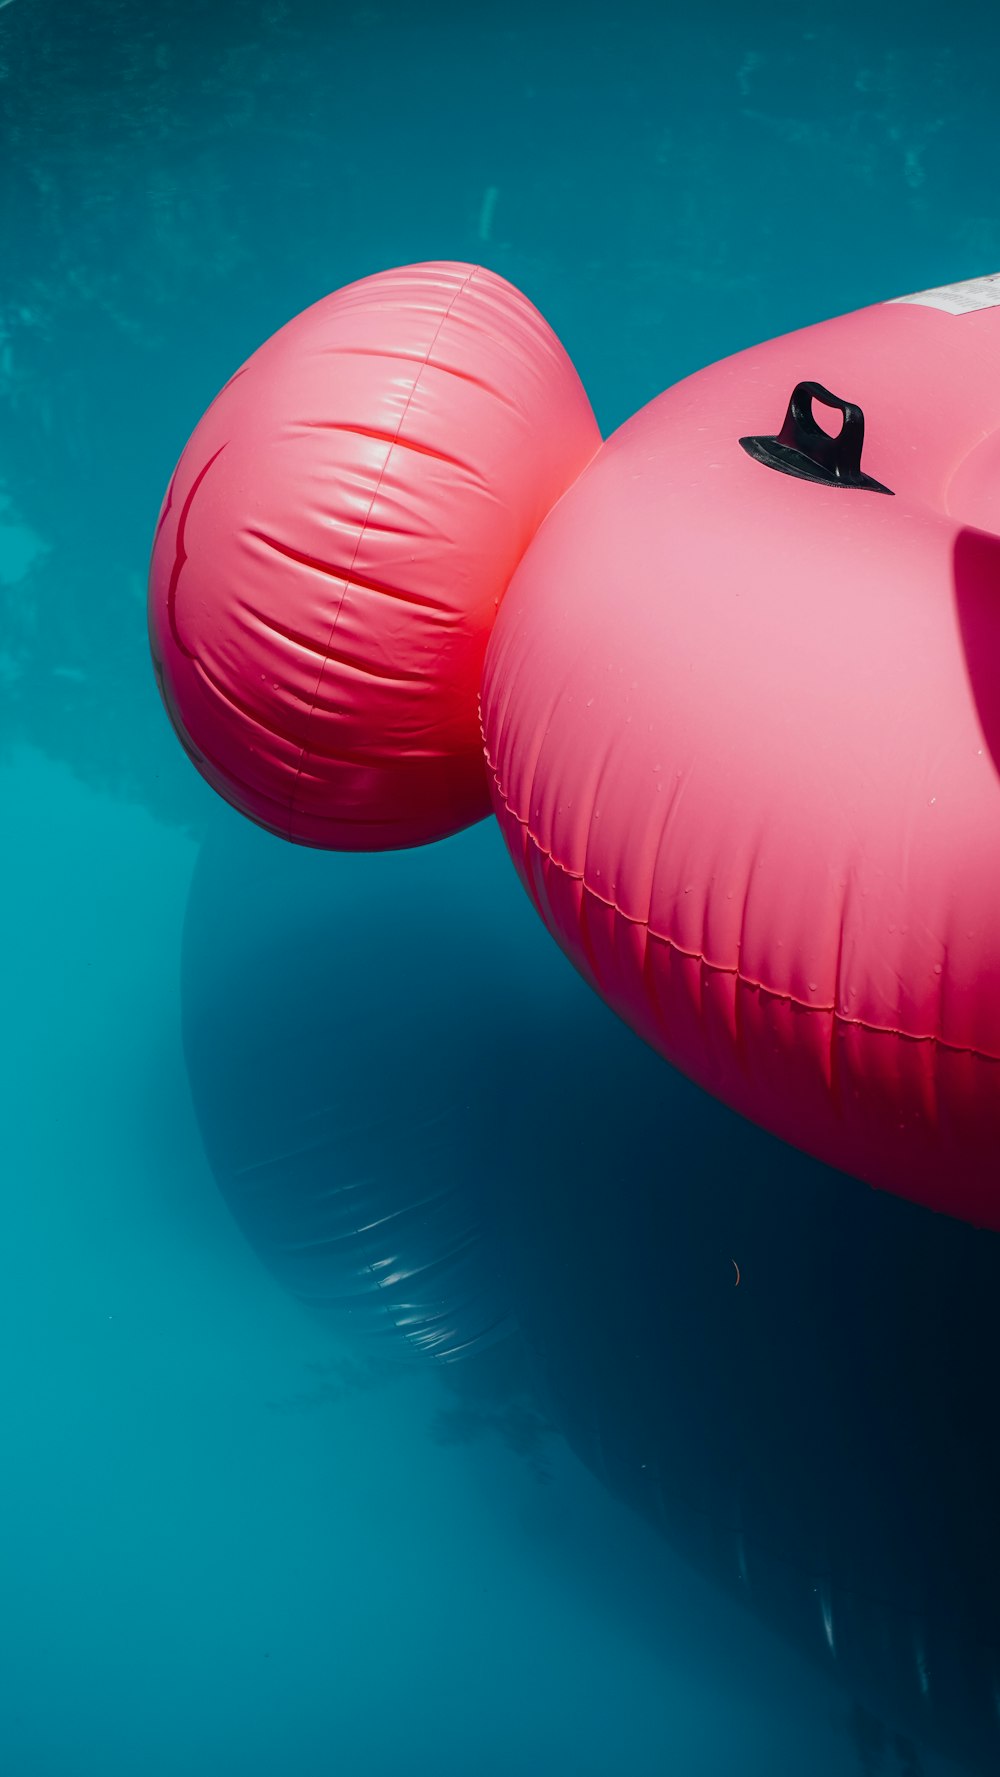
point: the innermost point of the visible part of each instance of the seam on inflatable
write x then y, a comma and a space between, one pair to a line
884, 1030
180, 550
464, 376
168, 501
349, 576
287, 634
423, 363
380, 435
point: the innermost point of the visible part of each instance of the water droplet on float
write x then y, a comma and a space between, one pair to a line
937, 968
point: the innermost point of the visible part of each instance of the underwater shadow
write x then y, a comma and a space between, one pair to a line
423, 1119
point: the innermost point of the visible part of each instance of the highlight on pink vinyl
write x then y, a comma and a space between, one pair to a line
731, 680
335, 542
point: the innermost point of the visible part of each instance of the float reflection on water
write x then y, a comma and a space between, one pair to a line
422, 1119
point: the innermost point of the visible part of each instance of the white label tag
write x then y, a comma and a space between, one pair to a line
959, 299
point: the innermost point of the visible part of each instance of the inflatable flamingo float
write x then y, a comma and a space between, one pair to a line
729, 680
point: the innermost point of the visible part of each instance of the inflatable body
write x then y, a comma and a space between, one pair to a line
743, 731
740, 708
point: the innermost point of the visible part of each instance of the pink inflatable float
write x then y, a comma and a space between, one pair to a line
731, 680
335, 543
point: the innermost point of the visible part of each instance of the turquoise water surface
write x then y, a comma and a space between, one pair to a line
251, 1521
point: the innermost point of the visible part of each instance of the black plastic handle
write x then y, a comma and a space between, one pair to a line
802, 448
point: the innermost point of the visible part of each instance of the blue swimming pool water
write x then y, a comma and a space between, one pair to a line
241, 1531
